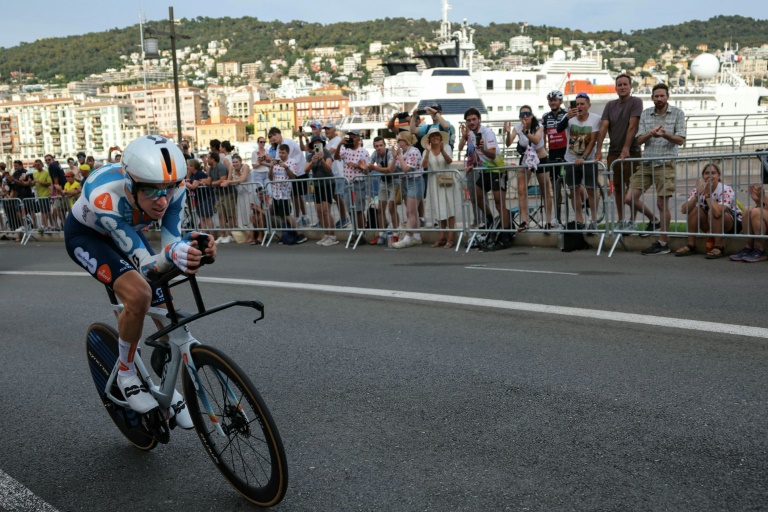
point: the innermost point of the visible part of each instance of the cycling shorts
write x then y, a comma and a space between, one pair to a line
100, 256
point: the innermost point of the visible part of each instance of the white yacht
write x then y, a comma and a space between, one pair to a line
720, 105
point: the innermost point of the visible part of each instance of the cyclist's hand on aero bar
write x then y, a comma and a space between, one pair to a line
186, 255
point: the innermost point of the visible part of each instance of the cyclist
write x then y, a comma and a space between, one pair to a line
103, 234
556, 142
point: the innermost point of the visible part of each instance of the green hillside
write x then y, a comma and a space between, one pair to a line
75, 57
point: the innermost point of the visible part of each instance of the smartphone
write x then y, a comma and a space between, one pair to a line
573, 103
301, 129
421, 112
478, 139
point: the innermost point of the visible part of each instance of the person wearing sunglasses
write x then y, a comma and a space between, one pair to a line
103, 234
530, 132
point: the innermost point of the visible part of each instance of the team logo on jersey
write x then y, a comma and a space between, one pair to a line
104, 201
104, 274
120, 237
85, 260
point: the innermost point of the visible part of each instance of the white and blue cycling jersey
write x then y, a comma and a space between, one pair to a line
104, 207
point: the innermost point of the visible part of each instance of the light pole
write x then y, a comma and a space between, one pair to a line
151, 52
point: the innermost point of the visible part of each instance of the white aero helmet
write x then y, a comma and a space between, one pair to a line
555, 95
153, 159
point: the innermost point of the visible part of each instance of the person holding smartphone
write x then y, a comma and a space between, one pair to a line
320, 167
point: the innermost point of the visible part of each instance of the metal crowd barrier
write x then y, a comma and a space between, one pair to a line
547, 199
683, 173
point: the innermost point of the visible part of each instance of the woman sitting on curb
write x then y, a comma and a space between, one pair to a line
711, 206
757, 221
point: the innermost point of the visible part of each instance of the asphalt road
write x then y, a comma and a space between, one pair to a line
386, 403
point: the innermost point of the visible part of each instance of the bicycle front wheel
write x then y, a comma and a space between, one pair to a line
561, 201
251, 456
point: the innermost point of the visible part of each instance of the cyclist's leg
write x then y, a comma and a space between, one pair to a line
106, 263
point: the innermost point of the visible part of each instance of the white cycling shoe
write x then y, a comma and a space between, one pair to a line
136, 394
183, 419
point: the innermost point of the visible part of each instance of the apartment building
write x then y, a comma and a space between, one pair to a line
279, 112
156, 107
226, 128
64, 126
321, 108
9, 134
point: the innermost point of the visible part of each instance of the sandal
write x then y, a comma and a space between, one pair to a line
686, 250
716, 252
522, 227
439, 243
448, 244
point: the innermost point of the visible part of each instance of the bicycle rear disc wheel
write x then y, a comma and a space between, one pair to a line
101, 351
251, 456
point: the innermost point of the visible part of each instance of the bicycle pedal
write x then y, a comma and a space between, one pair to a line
154, 422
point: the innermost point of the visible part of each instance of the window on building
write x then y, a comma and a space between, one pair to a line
489, 85
509, 85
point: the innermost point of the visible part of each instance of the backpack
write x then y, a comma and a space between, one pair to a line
573, 241
288, 236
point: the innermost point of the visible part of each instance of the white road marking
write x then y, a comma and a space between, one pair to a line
14, 497
525, 271
595, 314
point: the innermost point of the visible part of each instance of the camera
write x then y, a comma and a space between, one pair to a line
421, 112
349, 143
402, 116
318, 148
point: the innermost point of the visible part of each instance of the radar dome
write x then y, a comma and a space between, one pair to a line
705, 65
559, 55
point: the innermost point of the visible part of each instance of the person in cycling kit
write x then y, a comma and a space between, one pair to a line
103, 234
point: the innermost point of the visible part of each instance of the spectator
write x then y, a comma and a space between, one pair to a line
355, 158
241, 176
757, 222
530, 132
383, 162
259, 212
662, 130
74, 168
332, 142
299, 183
437, 158
581, 128
408, 160
71, 189
319, 164
80, 159
316, 128
711, 207
258, 169
200, 192
215, 146
481, 149
21, 188
224, 203
58, 181
43, 184
91, 163
557, 142
620, 121
185, 150
435, 111
279, 172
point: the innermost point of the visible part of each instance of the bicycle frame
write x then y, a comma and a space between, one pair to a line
180, 343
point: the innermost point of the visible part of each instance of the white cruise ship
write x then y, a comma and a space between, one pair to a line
723, 108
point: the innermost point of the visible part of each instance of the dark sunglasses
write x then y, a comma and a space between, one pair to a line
526, 114
582, 95
153, 193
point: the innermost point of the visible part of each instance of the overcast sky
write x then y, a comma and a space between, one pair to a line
45, 18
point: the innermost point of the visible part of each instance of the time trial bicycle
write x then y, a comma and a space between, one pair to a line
230, 417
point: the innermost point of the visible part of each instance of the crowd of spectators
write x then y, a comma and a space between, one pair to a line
339, 176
